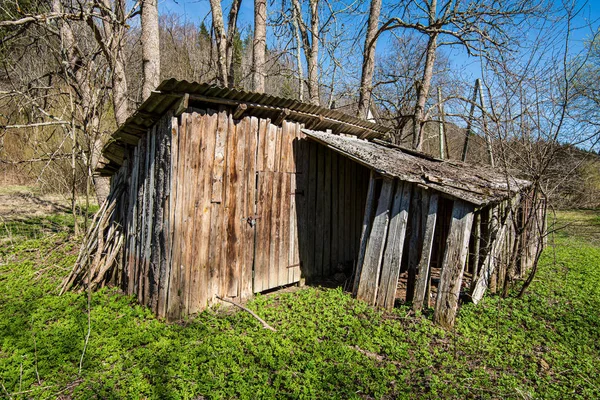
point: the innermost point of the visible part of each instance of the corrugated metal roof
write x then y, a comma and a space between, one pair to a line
479, 185
169, 92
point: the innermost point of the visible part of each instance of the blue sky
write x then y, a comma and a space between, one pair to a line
194, 11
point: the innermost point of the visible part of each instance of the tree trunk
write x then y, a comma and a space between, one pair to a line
259, 45
313, 60
296, 22
231, 30
150, 47
221, 39
368, 67
423, 92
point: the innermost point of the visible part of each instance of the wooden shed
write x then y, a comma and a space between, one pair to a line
223, 193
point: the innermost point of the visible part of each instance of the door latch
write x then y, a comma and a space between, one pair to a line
251, 220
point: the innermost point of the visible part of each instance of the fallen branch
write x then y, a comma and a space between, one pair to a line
262, 321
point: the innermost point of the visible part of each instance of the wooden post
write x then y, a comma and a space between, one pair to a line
390, 270
366, 231
488, 140
469, 122
423, 277
369, 275
455, 256
441, 135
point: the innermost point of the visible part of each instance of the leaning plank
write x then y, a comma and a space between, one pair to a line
455, 256
366, 230
369, 275
424, 268
392, 259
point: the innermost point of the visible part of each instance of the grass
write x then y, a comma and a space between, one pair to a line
327, 345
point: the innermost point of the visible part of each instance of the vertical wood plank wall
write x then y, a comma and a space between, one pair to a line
223, 207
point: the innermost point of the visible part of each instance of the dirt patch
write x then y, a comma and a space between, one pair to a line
22, 202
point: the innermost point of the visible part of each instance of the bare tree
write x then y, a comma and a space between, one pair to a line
310, 44
221, 40
150, 47
368, 66
481, 28
259, 45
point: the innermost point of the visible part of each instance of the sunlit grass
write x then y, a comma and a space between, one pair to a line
327, 344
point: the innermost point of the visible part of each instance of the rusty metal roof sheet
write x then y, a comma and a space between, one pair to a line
479, 185
171, 91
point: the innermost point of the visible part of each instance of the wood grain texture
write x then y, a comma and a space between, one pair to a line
415, 240
366, 231
371, 268
390, 270
455, 256
424, 269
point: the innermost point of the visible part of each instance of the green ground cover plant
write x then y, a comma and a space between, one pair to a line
327, 344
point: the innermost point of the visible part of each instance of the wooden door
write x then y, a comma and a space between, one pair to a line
276, 259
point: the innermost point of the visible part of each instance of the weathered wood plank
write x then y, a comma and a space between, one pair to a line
193, 234
348, 214
220, 154
142, 203
371, 268
366, 230
326, 206
352, 208
178, 143
311, 212
237, 188
187, 262
335, 208
262, 137
453, 265
166, 233
250, 177
320, 211
233, 203
390, 270
132, 221
343, 247
272, 150
284, 230
217, 215
263, 232
414, 253
275, 236
203, 218
424, 275
158, 206
150, 272
294, 251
